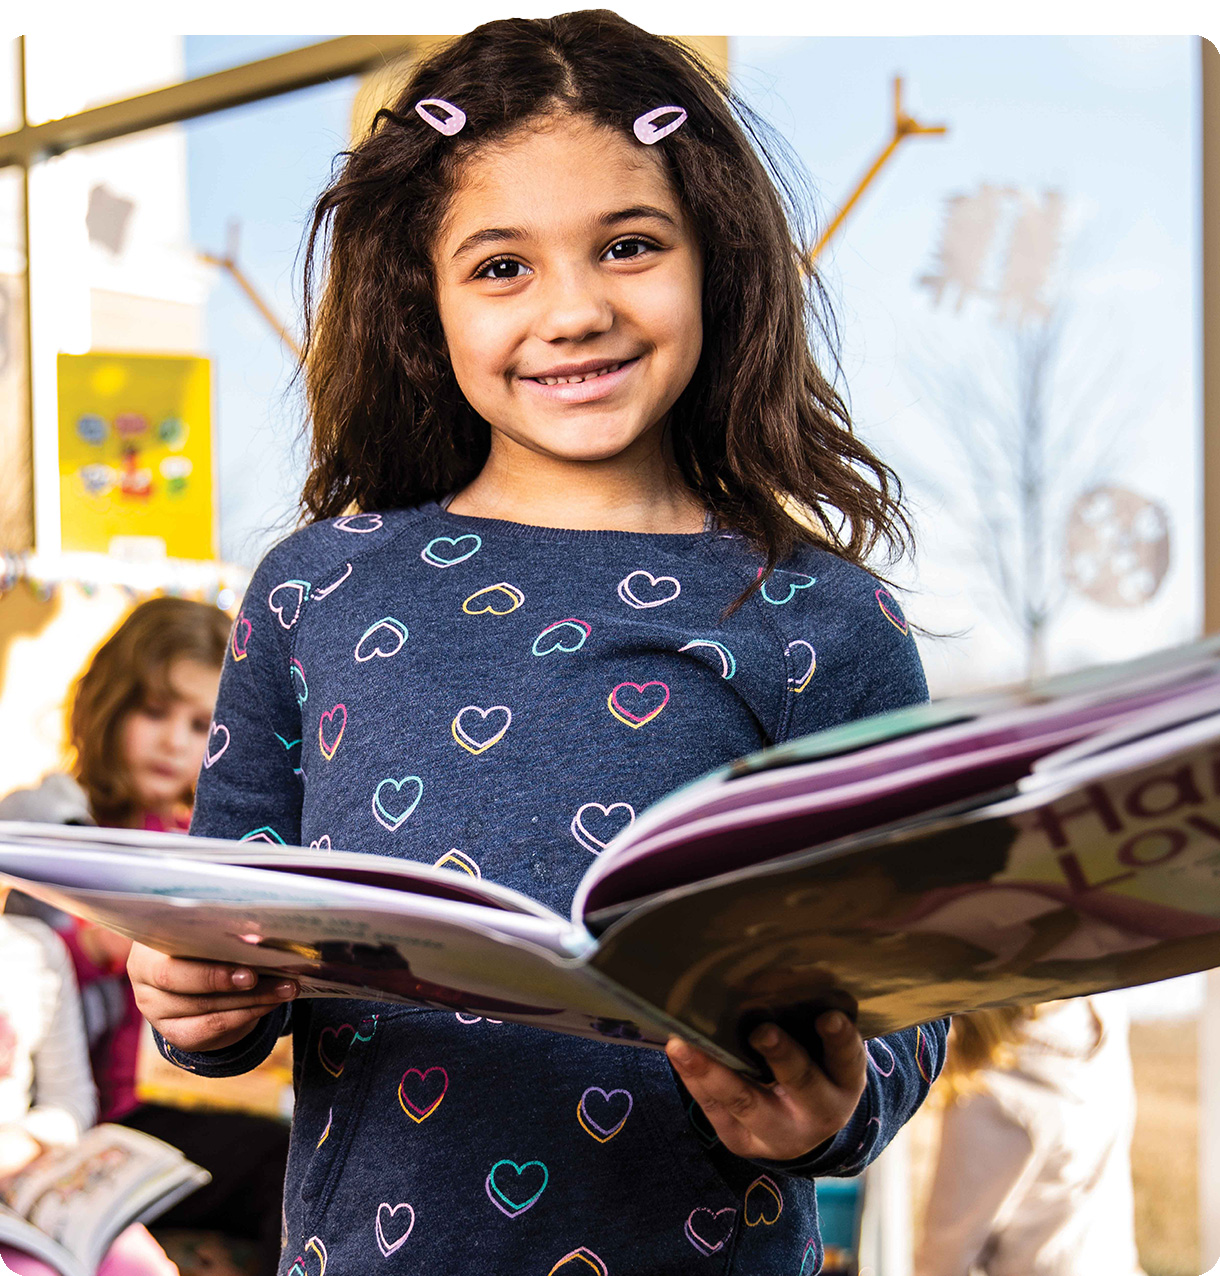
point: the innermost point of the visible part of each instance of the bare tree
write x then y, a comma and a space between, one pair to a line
1033, 418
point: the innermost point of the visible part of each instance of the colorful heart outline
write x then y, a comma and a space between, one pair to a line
265, 833
490, 1187
511, 591
702, 1244
812, 1247
901, 624
295, 667
467, 741
209, 758
371, 1020
387, 1248
893, 1061
330, 1116
412, 1109
728, 662
767, 1184
625, 715
385, 818
435, 560
319, 594
395, 626
317, 845
302, 588
581, 832
557, 645
315, 1243
808, 582
585, 1255
599, 1132
628, 595
329, 752
332, 1064
245, 642
797, 685
458, 862
344, 524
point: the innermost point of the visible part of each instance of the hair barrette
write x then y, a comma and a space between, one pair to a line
649, 131
443, 116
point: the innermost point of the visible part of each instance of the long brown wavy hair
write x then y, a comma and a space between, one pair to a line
129, 669
760, 435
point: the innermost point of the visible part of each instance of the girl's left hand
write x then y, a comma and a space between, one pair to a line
807, 1104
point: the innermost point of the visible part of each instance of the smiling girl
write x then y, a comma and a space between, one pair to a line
569, 442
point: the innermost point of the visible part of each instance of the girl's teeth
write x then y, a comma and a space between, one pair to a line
588, 376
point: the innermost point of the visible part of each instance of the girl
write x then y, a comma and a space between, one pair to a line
569, 442
1034, 1172
138, 725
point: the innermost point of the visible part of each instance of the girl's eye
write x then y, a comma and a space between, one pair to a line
154, 711
628, 249
501, 268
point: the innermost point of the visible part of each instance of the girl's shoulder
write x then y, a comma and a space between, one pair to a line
307, 555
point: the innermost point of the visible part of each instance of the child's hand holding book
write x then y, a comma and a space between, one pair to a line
809, 1103
198, 1005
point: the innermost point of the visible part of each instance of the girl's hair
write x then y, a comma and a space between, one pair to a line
983, 1039
129, 669
759, 434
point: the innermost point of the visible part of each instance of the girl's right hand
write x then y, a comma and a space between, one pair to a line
198, 1005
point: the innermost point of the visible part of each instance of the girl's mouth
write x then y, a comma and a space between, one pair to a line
582, 384
579, 378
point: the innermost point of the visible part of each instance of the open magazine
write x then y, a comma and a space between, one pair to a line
67, 1207
1015, 847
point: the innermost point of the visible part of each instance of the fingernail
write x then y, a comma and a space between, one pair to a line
765, 1038
836, 1021
285, 988
244, 979
680, 1052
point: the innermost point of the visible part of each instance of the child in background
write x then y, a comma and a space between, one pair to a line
47, 1098
1033, 1177
138, 726
569, 441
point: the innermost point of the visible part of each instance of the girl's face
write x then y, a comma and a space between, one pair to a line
162, 741
569, 285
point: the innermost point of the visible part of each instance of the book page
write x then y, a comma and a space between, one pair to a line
82, 1197
337, 939
1095, 880
15, 1231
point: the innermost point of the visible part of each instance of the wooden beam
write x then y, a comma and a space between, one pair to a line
252, 82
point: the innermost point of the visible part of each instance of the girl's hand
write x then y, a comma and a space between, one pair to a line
17, 1149
199, 1005
807, 1104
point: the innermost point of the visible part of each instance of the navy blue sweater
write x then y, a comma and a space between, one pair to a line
503, 698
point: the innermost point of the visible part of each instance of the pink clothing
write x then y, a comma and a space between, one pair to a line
180, 822
134, 1253
113, 1055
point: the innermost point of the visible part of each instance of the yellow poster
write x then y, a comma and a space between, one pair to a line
135, 454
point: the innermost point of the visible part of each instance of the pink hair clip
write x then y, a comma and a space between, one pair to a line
443, 116
648, 131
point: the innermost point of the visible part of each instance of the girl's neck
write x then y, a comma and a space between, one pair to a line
521, 487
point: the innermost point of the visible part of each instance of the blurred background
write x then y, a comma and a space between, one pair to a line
1017, 278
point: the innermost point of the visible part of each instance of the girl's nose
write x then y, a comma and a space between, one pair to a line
573, 305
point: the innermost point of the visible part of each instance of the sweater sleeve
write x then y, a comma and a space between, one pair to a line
64, 1100
849, 654
250, 787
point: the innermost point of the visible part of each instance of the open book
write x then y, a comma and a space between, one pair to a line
68, 1206
1008, 848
